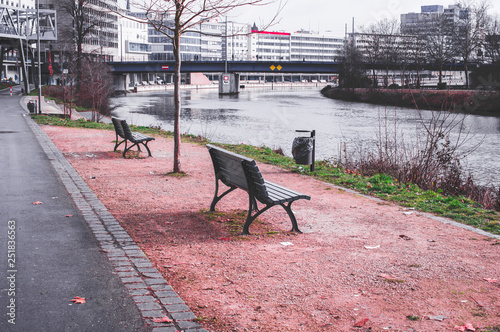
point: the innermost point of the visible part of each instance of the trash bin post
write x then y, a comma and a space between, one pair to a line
313, 136
302, 157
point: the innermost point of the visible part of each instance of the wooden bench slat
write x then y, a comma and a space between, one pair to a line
285, 191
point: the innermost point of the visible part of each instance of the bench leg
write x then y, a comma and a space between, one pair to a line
130, 147
250, 218
218, 198
288, 209
147, 148
253, 207
117, 144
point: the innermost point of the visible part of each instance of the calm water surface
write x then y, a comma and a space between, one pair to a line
270, 118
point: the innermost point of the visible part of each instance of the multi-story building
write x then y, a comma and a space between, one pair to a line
425, 21
308, 46
211, 42
102, 37
268, 45
133, 36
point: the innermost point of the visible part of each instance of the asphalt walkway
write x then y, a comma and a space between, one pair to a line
59, 243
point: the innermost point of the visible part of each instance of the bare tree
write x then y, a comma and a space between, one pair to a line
96, 87
81, 20
438, 41
373, 49
174, 18
352, 72
492, 39
382, 44
468, 32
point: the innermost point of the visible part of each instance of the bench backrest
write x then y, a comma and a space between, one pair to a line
229, 168
126, 130
255, 181
117, 123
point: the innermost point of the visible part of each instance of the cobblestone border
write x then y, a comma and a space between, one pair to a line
154, 297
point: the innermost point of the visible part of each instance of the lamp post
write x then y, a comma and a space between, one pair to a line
38, 46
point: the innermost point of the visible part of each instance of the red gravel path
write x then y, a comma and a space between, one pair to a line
351, 266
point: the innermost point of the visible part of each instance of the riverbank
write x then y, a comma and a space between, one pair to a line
466, 101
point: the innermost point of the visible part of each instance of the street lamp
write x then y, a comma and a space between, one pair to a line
39, 47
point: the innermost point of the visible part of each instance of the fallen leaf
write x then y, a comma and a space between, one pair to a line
469, 327
491, 280
224, 239
162, 320
285, 244
78, 299
37, 203
439, 317
361, 323
405, 237
369, 248
465, 327
68, 215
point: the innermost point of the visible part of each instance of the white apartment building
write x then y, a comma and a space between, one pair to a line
309, 46
134, 45
269, 45
222, 40
236, 41
211, 42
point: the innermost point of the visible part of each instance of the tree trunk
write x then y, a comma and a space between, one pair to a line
466, 69
440, 72
177, 102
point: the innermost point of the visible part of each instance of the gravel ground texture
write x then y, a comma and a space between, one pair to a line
360, 264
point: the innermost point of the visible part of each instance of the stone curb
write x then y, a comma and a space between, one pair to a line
154, 297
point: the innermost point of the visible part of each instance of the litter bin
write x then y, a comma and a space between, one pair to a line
303, 149
31, 107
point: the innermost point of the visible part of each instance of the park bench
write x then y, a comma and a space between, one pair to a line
124, 134
237, 171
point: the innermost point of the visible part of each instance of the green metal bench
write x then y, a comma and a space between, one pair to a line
237, 171
124, 134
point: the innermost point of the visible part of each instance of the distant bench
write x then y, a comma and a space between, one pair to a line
237, 171
123, 132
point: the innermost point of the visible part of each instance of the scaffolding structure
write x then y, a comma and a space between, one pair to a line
21, 29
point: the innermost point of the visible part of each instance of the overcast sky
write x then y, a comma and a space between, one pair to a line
332, 15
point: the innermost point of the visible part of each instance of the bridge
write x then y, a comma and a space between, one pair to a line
129, 73
227, 67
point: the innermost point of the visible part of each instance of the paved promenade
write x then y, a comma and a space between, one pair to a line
60, 243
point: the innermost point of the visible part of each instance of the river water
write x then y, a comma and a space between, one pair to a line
271, 117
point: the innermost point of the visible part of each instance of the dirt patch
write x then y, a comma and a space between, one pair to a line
360, 262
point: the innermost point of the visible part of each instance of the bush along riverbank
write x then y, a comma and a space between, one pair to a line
463, 101
460, 208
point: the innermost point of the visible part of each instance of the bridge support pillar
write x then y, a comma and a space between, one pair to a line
120, 82
229, 84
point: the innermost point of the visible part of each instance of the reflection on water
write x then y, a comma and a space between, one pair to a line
270, 118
